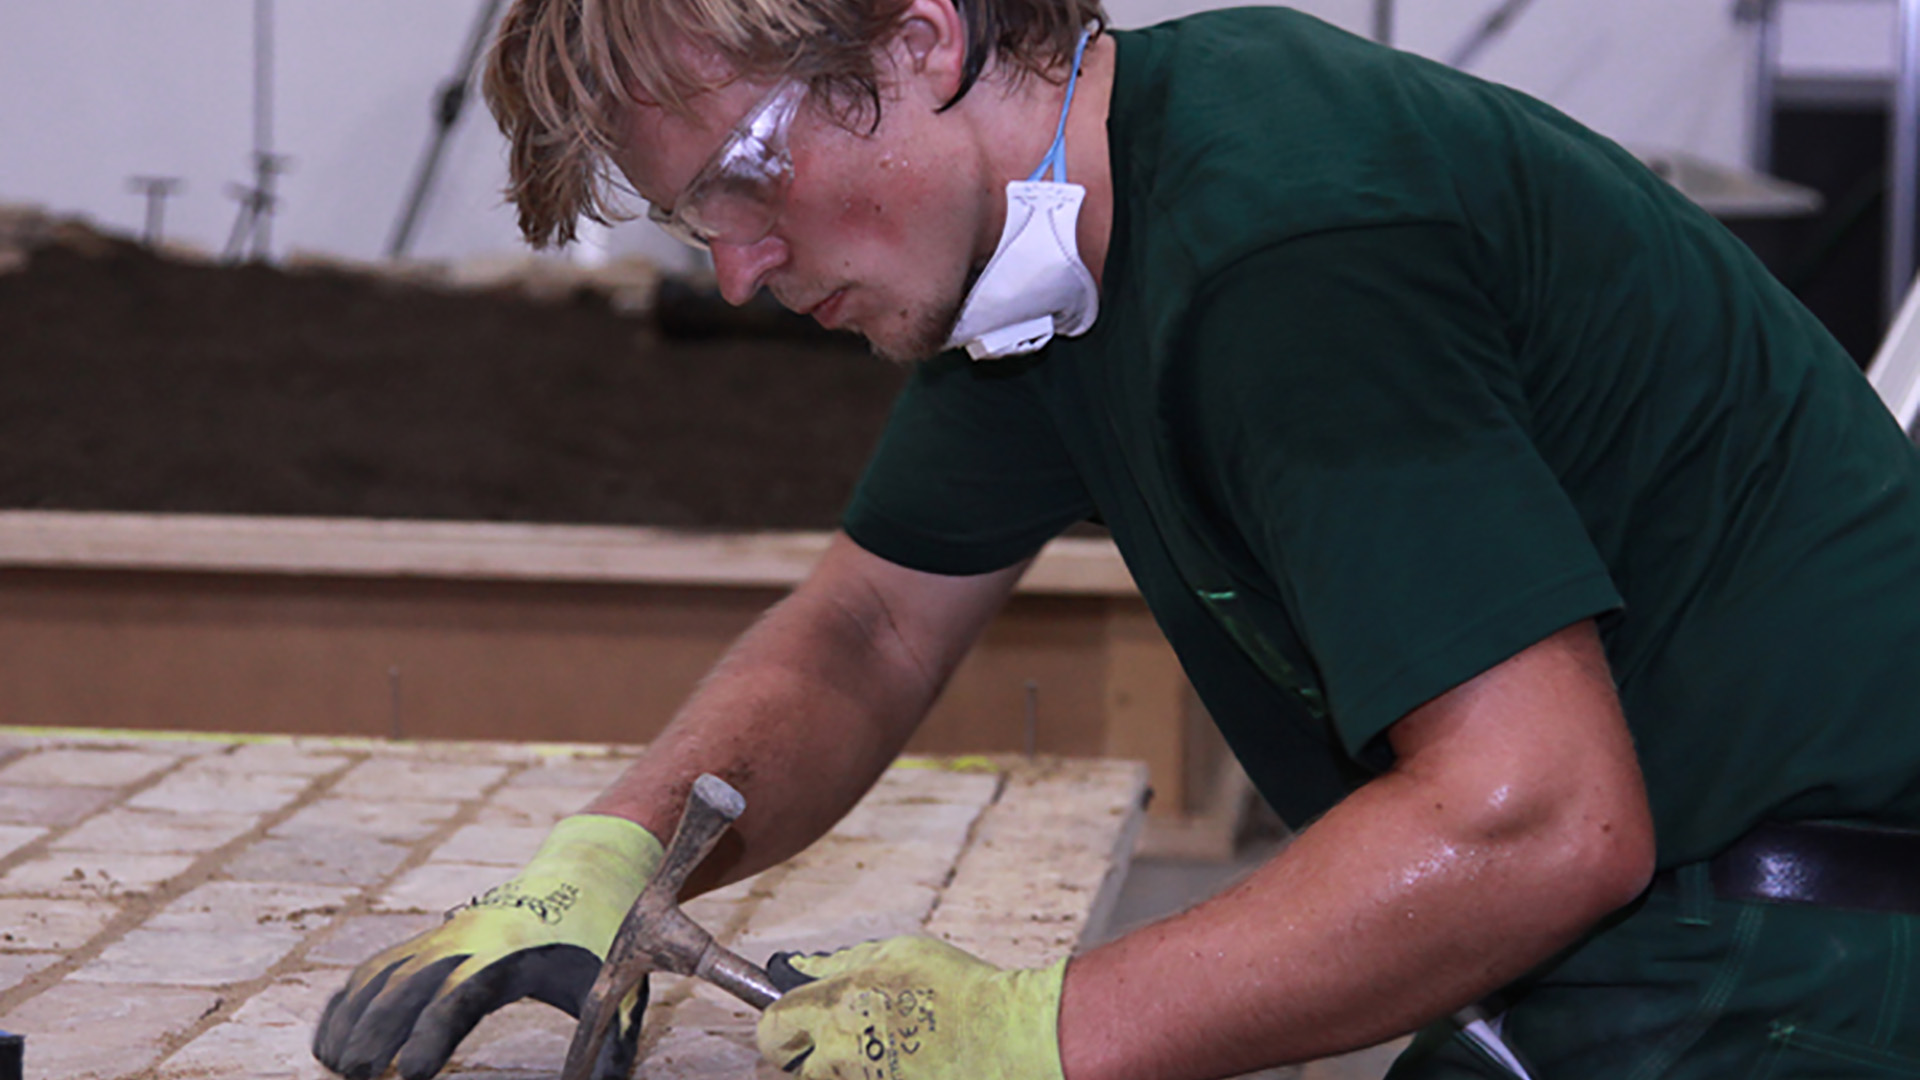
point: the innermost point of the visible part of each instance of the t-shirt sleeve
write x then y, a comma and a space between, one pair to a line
970, 474
1358, 418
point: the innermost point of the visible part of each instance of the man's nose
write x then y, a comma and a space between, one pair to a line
742, 268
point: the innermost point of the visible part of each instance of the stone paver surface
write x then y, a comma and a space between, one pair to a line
92, 873
182, 909
394, 822
56, 925
198, 790
85, 768
81, 1031
15, 837
141, 832
38, 804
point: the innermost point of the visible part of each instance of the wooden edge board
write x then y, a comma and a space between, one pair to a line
1209, 836
480, 551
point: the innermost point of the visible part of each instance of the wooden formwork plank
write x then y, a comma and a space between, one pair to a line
461, 550
1146, 703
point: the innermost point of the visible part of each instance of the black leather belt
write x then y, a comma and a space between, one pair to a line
1867, 868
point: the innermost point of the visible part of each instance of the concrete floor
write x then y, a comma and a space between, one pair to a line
1157, 887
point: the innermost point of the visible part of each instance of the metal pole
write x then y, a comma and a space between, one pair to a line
1383, 21
1765, 17
264, 165
263, 76
448, 102
1489, 29
156, 189
1903, 156
1032, 718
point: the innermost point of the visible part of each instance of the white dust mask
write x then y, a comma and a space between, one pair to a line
1035, 286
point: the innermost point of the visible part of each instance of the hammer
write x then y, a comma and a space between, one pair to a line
657, 936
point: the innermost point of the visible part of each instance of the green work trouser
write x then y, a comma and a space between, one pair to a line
1686, 986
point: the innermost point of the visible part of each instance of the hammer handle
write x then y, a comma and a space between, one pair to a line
738, 976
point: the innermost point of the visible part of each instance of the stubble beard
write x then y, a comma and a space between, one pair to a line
928, 330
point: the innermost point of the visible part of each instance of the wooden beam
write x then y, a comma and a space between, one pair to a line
459, 550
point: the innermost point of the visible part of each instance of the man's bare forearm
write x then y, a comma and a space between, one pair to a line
1491, 846
809, 706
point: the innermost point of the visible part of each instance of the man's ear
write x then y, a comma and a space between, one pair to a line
930, 46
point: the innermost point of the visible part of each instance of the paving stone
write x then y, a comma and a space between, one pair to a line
590, 774
455, 752
198, 790
55, 806
267, 1036
85, 767
85, 1031
241, 1052
87, 873
235, 906
330, 858
33, 925
524, 1036
722, 911
922, 781
1044, 862
929, 864
693, 1054
435, 887
175, 745
397, 822
714, 915
358, 938
284, 757
492, 845
532, 806
15, 837
399, 779
817, 916
155, 832
16, 968
708, 1007
189, 957
922, 822
290, 1001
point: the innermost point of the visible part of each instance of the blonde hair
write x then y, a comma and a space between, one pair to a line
562, 71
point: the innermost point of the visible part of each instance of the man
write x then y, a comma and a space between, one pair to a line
1519, 531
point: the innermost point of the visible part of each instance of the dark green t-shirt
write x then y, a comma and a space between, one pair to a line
1398, 372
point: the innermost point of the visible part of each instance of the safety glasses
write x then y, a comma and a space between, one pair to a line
736, 196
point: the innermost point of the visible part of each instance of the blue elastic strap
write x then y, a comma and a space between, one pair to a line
1056, 159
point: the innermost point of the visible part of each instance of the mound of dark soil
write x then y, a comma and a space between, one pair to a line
132, 382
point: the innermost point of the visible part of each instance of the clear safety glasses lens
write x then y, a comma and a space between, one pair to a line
736, 196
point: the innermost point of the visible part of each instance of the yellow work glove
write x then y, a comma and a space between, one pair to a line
542, 935
915, 1008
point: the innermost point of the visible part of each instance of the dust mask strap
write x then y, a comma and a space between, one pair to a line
1035, 285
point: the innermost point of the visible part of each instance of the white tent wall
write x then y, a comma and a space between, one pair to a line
93, 92
1839, 38
1655, 74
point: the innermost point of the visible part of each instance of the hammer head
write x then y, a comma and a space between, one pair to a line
656, 935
